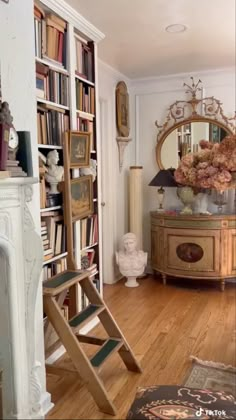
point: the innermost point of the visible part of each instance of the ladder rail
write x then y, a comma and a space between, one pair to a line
78, 356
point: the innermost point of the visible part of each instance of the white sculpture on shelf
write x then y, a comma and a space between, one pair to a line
130, 260
92, 170
54, 173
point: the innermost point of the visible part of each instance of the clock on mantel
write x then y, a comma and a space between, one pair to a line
9, 142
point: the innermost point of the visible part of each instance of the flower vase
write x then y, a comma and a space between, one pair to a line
201, 203
187, 197
220, 198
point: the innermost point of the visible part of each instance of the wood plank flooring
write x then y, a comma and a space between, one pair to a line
164, 326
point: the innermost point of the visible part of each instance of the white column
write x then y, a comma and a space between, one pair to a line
136, 203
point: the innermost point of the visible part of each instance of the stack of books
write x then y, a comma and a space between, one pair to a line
51, 124
84, 59
85, 97
52, 85
50, 36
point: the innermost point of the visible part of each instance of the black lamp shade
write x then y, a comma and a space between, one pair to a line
164, 178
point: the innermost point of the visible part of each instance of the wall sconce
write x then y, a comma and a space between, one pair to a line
164, 178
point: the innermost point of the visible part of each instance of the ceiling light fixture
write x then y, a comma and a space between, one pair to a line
176, 27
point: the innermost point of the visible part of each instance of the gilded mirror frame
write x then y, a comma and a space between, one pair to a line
181, 112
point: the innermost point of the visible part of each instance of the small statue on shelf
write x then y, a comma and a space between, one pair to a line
54, 173
130, 260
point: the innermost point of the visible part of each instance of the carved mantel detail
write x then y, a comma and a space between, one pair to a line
23, 257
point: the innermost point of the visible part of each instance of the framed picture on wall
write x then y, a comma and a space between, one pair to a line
79, 149
81, 197
122, 109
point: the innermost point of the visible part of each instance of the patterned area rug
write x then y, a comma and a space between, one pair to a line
211, 375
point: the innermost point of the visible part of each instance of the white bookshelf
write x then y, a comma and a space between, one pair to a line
77, 27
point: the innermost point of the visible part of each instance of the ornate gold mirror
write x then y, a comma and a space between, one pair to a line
187, 123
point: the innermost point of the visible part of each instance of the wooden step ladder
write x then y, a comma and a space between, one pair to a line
54, 293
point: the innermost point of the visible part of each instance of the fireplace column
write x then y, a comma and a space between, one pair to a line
20, 269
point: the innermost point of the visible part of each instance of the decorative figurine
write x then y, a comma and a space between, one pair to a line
92, 170
130, 260
54, 173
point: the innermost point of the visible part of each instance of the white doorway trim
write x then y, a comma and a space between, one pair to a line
108, 208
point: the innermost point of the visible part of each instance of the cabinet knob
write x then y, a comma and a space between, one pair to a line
103, 203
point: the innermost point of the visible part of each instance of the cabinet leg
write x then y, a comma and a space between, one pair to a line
222, 285
164, 279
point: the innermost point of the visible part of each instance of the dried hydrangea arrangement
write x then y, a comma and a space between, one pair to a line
213, 167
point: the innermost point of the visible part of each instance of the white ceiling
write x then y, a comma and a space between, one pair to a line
137, 44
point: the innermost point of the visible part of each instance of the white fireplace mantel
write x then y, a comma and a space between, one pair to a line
20, 267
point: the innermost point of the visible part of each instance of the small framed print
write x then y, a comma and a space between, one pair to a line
79, 149
122, 109
81, 190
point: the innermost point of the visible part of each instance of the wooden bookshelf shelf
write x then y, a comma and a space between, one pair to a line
52, 65
49, 146
84, 80
55, 258
50, 209
88, 247
52, 104
85, 114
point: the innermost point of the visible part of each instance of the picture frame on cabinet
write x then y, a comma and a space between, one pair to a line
81, 197
79, 149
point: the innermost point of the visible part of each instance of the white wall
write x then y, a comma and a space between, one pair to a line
115, 182
18, 88
153, 97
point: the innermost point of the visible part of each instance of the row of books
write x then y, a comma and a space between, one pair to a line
54, 268
84, 59
89, 231
85, 97
87, 125
50, 36
53, 230
51, 125
52, 85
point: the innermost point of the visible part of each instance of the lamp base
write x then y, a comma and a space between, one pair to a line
159, 210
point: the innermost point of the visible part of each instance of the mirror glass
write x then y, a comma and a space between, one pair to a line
185, 139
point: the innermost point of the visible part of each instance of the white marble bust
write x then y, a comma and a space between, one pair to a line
130, 260
54, 173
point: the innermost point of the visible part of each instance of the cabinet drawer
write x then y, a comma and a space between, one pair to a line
192, 253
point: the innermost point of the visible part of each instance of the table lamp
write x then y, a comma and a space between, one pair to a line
163, 178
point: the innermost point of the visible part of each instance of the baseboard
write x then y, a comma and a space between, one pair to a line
46, 403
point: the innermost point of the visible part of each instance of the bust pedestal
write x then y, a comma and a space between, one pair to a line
131, 282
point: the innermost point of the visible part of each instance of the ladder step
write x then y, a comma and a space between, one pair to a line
89, 312
105, 351
62, 281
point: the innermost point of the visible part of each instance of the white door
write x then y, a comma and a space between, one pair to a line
107, 193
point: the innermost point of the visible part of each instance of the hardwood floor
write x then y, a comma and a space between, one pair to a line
164, 326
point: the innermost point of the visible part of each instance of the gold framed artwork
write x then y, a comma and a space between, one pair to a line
122, 110
81, 190
79, 149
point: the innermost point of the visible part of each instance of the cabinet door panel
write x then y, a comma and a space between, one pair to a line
194, 253
233, 250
